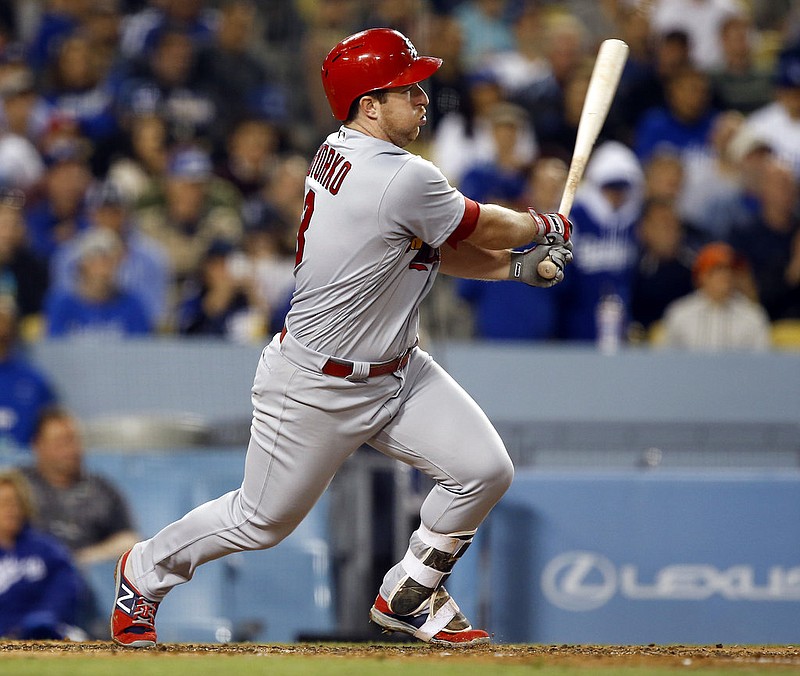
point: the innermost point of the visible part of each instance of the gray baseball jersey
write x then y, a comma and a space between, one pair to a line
367, 254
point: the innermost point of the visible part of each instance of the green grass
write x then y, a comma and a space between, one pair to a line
276, 665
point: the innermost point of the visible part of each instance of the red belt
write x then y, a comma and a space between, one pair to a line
341, 368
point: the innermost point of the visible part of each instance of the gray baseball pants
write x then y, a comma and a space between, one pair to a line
305, 425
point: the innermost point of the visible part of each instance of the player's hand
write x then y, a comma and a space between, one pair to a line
524, 264
551, 228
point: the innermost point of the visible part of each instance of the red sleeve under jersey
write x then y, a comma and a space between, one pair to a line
469, 222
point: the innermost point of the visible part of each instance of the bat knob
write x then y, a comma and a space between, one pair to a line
547, 269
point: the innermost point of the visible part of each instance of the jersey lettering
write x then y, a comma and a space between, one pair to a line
313, 167
308, 211
322, 171
329, 168
334, 185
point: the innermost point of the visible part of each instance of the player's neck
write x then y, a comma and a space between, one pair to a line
370, 128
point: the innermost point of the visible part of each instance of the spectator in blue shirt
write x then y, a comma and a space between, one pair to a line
58, 214
684, 124
141, 30
502, 179
24, 390
75, 87
97, 306
144, 269
535, 314
38, 583
218, 302
607, 207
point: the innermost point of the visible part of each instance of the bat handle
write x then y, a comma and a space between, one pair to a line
546, 268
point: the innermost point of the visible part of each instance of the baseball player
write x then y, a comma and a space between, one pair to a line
346, 370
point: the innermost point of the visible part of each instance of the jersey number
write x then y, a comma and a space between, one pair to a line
308, 211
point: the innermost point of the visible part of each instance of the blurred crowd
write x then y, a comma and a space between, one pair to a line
152, 164
153, 152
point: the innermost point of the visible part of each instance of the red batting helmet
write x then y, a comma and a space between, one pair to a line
377, 58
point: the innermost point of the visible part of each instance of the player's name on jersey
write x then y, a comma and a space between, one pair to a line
329, 168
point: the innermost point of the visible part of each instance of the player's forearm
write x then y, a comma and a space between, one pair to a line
500, 228
472, 262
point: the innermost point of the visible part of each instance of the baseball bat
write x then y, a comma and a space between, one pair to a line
603, 83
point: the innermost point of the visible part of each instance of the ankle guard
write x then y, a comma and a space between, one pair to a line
427, 564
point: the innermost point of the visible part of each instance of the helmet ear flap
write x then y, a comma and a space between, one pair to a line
378, 58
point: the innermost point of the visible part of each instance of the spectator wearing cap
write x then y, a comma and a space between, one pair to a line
749, 153
97, 307
144, 270
166, 81
21, 164
59, 214
76, 87
24, 111
217, 302
190, 209
141, 31
24, 390
502, 179
770, 242
716, 316
778, 123
57, 21
713, 181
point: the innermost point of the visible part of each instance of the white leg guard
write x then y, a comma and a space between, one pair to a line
438, 619
428, 562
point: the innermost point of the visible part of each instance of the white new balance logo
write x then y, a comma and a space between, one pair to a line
126, 594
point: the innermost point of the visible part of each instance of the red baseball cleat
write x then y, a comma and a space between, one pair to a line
440, 623
133, 616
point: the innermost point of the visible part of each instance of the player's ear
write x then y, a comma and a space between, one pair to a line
369, 106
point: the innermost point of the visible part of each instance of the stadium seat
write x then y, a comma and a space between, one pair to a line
786, 334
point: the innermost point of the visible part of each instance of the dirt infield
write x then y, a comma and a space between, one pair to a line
697, 656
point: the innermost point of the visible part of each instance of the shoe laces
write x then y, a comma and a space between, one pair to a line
144, 611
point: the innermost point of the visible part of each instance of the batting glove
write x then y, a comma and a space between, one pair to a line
551, 228
524, 264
